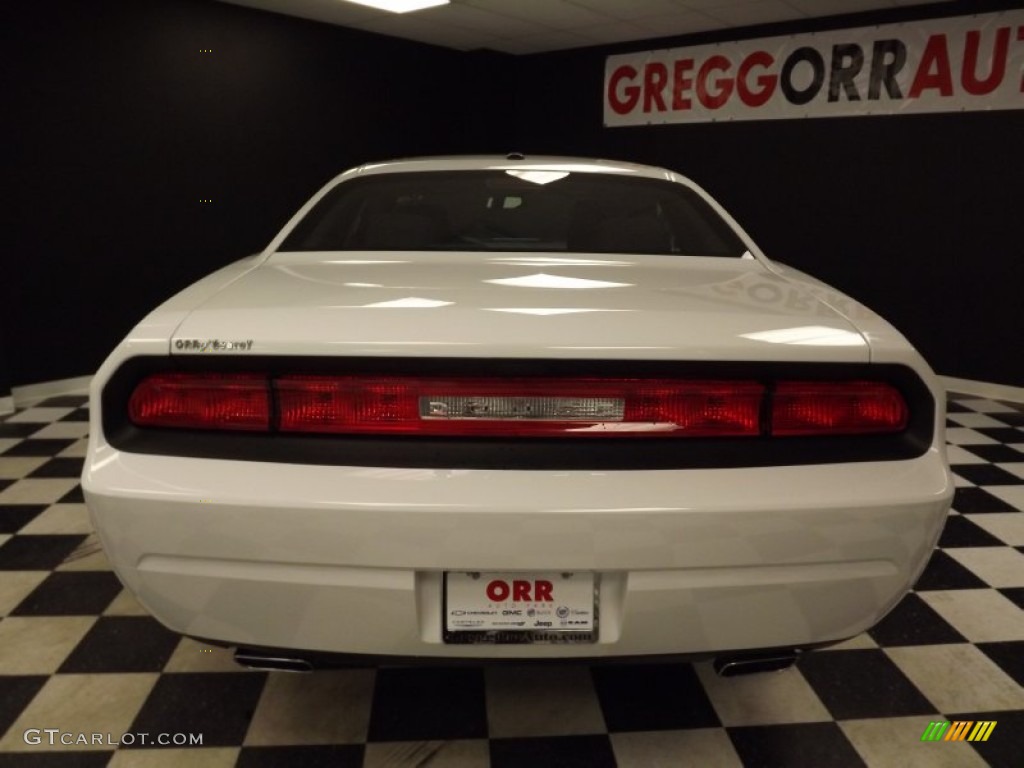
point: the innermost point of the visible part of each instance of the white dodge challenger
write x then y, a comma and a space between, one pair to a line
510, 407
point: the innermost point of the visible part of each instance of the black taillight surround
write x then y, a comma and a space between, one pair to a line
519, 453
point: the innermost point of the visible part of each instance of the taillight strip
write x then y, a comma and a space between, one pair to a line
228, 401
830, 407
584, 407
538, 407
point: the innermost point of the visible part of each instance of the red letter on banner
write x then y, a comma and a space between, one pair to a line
969, 73
936, 54
766, 82
497, 591
655, 80
724, 85
680, 84
630, 92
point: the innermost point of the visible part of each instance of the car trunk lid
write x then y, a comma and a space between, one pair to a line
514, 305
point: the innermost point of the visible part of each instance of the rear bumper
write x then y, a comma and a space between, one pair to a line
350, 559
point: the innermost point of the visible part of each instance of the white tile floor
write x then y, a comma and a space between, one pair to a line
78, 652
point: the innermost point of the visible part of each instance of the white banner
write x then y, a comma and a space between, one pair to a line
938, 65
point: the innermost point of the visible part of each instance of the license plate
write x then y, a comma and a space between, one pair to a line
519, 607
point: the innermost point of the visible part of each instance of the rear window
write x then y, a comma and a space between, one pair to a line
514, 211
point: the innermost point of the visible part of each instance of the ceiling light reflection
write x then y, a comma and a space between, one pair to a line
557, 261
611, 426
808, 335
566, 167
400, 6
544, 280
365, 261
539, 177
545, 311
412, 302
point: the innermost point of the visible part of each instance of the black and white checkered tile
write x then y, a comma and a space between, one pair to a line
78, 654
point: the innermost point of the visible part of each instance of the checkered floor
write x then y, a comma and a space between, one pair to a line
78, 654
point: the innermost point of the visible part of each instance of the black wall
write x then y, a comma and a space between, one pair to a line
917, 216
118, 126
5, 371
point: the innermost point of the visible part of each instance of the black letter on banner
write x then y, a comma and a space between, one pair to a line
812, 57
847, 60
884, 72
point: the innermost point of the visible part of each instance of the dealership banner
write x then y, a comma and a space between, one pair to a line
939, 65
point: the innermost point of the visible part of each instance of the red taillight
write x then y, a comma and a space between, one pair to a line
202, 401
516, 407
837, 408
566, 407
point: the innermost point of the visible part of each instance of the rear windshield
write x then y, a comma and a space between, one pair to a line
514, 211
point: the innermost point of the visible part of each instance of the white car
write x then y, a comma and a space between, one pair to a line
514, 407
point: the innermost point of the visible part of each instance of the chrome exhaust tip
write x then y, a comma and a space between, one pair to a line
734, 666
271, 663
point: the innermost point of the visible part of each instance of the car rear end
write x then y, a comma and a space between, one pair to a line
645, 458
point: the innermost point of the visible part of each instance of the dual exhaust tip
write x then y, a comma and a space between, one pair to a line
749, 664
725, 666
256, 661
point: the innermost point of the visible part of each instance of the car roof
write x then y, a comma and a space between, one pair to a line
513, 161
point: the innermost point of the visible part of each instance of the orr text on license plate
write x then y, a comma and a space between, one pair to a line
502, 607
